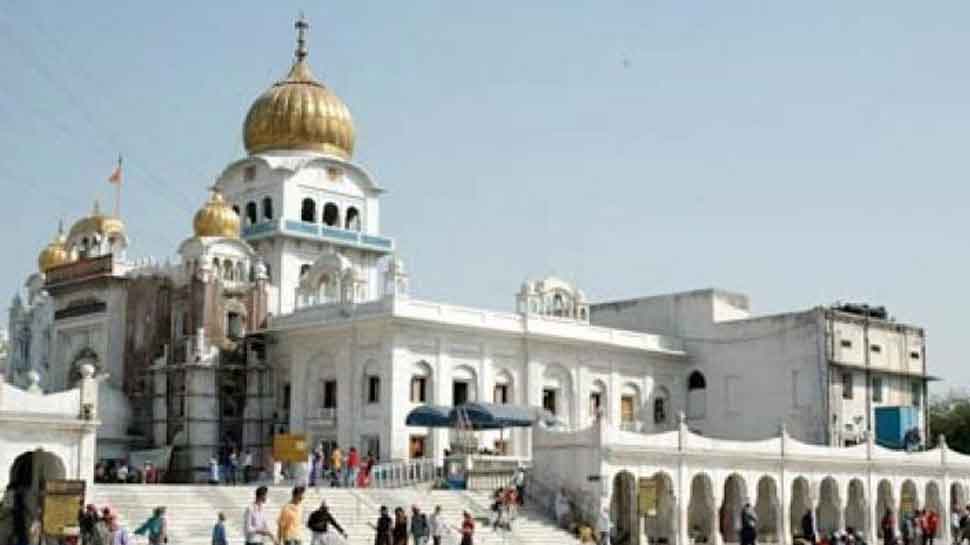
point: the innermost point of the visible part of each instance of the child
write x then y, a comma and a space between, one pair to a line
219, 531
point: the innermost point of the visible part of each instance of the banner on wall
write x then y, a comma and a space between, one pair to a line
288, 447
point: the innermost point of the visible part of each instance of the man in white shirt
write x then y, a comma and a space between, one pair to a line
248, 466
436, 526
254, 520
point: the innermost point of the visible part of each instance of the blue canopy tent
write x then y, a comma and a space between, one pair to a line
479, 416
429, 416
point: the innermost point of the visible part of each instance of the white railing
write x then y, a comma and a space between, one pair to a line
403, 473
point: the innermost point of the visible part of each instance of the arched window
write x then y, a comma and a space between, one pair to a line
252, 217
303, 269
227, 270
696, 381
269, 273
331, 214
353, 219
308, 211
241, 271
235, 208
696, 396
661, 406
268, 208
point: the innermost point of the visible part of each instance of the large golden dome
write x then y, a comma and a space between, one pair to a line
97, 223
54, 254
299, 113
216, 219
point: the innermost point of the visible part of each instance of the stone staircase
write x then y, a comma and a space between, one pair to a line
192, 509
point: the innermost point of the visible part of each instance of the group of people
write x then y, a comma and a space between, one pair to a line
103, 527
340, 470
119, 471
234, 468
918, 527
419, 529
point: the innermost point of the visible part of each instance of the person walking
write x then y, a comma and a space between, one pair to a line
336, 465
604, 526
353, 465
117, 534
808, 526
749, 525
213, 471
519, 482
247, 466
467, 528
400, 532
233, 467
219, 530
315, 466
436, 526
955, 524
419, 526
88, 524
255, 527
288, 523
323, 526
931, 527
384, 529
155, 528
888, 525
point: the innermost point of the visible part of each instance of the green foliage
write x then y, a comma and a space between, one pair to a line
951, 417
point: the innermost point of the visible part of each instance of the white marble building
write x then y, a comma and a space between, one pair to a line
46, 436
296, 310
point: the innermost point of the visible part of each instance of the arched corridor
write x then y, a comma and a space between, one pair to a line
801, 503
661, 524
700, 511
623, 508
856, 507
828, 515
768, 509
735, 496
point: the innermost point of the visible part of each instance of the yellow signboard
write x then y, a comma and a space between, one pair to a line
648, 496
907, 503
290, 448
62, 502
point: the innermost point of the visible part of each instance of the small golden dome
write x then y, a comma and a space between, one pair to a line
54, 254
299, 113
216, 219
97, 223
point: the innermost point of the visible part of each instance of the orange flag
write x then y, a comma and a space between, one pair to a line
115, 177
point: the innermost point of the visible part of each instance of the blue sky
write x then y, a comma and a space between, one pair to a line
801, 153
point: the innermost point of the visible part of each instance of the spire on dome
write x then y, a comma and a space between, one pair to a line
301, 27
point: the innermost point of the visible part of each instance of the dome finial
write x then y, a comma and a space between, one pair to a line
301, 27
97, 208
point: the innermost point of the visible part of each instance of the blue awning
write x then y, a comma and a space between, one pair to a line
429, 416
480, 416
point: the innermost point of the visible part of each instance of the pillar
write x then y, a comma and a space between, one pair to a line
718, 537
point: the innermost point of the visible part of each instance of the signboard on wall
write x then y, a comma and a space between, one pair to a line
62, 502
647, 496
907, 503
288, 447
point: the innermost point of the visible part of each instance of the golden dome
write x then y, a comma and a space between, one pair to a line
299, 113
216, 219
97, 223
54, 254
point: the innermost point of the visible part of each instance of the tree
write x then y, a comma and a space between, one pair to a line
950, 416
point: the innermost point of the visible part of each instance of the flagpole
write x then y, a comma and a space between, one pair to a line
118, 192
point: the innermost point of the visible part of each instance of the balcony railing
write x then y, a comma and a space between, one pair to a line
403, 473
324, 232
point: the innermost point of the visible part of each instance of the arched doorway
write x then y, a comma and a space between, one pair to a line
27, 475
856, 516
828, 516
661, 525
700, 510
801, 503
908, 499
735, 496
623, 509
958, 498
935, 504
884, 501
768, 509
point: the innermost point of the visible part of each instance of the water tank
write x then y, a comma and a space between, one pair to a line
892, 423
